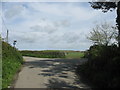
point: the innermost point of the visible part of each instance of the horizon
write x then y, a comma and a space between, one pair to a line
52, 50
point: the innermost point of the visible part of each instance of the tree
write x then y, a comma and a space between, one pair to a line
103, 34
109, 6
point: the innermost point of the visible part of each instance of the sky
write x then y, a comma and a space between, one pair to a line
51, 25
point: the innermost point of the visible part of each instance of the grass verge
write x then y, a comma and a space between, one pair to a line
11, 62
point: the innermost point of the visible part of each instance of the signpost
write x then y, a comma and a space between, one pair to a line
14, 43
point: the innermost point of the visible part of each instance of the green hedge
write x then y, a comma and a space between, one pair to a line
103, 67
11, 62
44, 54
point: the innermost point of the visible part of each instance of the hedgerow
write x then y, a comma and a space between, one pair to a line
44, 54
103, 66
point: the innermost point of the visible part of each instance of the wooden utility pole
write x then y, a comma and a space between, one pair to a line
7, 36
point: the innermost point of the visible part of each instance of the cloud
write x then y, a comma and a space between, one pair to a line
67, 38
50, 26
65, 9
44, 26
70, 37
23, 37
13, 11
63, 23
28, 37
47, 29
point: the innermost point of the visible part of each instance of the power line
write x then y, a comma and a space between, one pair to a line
4, 23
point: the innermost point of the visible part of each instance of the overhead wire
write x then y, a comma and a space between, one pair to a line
3, 21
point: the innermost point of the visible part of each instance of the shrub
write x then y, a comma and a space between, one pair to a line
103, 66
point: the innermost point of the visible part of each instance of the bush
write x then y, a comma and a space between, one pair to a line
11, 62
100, 56
103, 66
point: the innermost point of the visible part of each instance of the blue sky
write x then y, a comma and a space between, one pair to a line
60, 25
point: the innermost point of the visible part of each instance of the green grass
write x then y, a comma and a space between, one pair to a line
11, 62
74, 54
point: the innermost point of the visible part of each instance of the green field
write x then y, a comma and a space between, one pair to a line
53, 54
74, 54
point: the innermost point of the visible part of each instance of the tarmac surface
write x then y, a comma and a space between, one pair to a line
50, 73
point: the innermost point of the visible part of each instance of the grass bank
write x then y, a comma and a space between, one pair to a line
11, 62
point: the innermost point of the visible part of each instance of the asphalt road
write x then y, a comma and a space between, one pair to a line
49, 73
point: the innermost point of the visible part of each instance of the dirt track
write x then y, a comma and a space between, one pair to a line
49, 73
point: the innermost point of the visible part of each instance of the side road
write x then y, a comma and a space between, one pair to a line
49, 73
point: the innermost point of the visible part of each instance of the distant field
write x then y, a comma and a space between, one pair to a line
53, 54
74, 54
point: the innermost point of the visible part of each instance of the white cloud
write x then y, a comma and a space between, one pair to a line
70, 37
13, 11
50, 26
47, 0
44, 27
63, 23
67, 10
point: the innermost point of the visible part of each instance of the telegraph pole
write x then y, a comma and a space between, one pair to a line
7, 36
